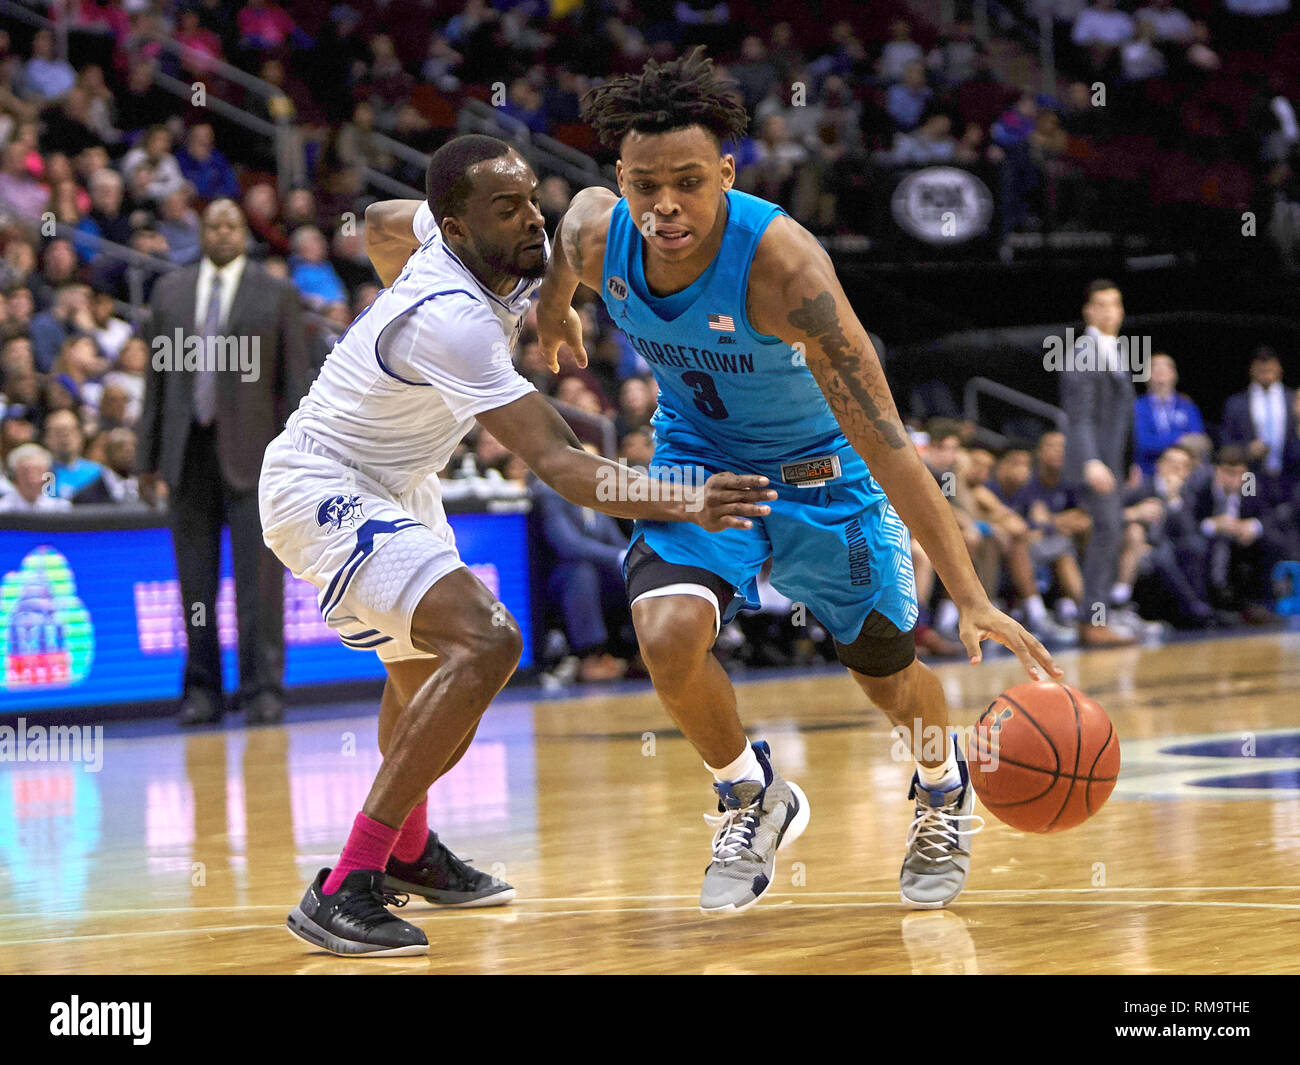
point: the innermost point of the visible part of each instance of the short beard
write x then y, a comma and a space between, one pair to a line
497, 260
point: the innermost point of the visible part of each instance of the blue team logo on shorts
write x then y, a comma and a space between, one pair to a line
339, 512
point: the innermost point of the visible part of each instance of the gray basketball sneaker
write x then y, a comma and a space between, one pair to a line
754, 822
938, 848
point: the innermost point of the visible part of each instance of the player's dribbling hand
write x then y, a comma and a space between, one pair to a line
986, 622
552, 331
729, 500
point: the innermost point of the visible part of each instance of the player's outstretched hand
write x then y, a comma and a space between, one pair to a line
984, 621
729, 500
554, 330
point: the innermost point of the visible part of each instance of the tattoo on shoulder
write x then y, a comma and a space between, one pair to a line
857, 393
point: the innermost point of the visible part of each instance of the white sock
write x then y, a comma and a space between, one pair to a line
947, 616
745, 767
1035, 611
1067, 609
1120, 593
942, 777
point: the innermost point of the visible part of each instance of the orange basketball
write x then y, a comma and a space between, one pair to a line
1043, 757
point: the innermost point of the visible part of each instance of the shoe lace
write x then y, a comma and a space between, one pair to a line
366, 908
735, 831
445, 858
936, 833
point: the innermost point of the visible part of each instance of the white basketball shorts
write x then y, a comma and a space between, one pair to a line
371, 552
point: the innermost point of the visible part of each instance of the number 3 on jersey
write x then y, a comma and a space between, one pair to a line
707, 400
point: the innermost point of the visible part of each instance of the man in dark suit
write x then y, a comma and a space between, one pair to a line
1245, 536
1262, 418
1097, 394
1169, 570
205, 424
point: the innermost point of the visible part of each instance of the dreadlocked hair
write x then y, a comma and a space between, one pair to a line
665, 96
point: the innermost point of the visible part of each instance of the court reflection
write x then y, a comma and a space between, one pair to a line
938, 943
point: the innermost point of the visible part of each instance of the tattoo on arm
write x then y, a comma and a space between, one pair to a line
856, 394
571, 240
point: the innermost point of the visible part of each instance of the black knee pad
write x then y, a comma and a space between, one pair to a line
646, 571
880, 650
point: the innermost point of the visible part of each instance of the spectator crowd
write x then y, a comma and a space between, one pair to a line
94, 157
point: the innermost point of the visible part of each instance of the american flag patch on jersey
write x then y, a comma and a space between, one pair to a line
722, 322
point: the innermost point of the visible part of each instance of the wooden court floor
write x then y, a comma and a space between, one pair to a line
184, 852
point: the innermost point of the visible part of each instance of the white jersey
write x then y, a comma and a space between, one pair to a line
402, 385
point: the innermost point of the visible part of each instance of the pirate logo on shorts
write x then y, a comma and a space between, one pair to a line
339, 512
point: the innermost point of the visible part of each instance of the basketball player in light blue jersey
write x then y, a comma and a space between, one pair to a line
764, 368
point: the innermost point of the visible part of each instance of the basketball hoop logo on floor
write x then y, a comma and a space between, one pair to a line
1258, 764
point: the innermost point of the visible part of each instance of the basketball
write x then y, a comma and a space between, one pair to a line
1044, 757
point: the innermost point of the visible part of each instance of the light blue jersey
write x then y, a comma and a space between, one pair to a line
731, 398
748, 397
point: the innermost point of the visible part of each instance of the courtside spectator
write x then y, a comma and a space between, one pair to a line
22, 192
906, 101
1161, 415
1245, 540
524, 104
29, 470
1262, 419
932, 143
116, 482
1013, 536
1168, 22
204, 167
110, 332
69, 126
106, 218
1057, 523
313, 274
194, 35
264, 26
262, 208
583, 552
178, 222
44, 76
65, 441
955, 59
165, 175
898, 52
1099, 31
70, 316
637, 401
755, 73
1165, 553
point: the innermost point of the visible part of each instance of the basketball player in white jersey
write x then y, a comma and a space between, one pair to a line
350, 501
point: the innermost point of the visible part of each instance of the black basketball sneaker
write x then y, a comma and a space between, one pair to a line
355, 919
444, 880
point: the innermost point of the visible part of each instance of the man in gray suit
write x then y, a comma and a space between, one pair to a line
229, 364
1097, 395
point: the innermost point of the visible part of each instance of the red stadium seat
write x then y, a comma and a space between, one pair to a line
575, 135
436, 108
